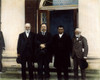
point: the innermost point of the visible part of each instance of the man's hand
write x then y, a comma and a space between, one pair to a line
42, 46
3, 48
18, 54
85, 58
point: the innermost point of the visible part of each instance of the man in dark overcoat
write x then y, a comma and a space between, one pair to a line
25, 49
43, 55
62, 47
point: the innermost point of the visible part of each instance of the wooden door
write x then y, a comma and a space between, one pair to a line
31, 7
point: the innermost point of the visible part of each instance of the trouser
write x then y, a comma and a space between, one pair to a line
60, 70
1, 59
76, 64
43, 66
30, 68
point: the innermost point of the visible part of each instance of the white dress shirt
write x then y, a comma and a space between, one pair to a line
77, 39
43, 33
60, 35
27, 33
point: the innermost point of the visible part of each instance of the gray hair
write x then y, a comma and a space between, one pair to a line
27, 24
78, 30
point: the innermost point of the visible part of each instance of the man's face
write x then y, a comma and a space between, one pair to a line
77, 33
43, 27
60, 30
28, 28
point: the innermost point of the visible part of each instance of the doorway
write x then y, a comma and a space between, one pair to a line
64, 18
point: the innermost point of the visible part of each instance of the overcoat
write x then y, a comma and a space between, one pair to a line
62, 49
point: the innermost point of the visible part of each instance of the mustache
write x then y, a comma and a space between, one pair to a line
43, 29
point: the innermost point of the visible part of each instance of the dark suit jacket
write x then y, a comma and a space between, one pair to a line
62, 49
40, 39
22, 44
2, 43
77, 47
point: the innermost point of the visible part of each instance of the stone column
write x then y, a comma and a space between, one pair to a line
13, 20
89, 22
0, 14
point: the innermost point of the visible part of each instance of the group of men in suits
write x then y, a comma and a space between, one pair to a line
40, 48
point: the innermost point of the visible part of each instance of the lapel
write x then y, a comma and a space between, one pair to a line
80, 39
63, 35
46, 34
40, 33
29, 35
43, 35
25, 35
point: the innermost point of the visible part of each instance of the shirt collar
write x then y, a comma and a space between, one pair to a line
44, 32
27, 31
60, 35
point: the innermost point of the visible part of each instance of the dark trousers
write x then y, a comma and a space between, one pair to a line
28, 61
77, 62
60, 70
1, 59
43, 66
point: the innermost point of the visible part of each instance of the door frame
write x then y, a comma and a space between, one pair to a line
75, 19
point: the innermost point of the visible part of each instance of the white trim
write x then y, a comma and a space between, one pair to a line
59, 7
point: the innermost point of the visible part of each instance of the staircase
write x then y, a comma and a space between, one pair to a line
13, 72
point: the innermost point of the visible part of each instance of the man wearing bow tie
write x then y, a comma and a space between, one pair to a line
25, 50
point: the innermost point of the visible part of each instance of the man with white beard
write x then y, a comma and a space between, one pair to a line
79, 54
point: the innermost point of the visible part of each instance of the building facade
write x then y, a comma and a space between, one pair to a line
13, 20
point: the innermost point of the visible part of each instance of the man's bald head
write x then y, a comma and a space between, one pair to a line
27, 26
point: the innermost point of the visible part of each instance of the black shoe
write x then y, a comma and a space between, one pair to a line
83, 79
76, 79
59, 79
31, 79
66, 78
0, 71
40, 76
47, 76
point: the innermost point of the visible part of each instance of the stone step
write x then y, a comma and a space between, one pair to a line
17, 75
52, 69
15, 72
12, 70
